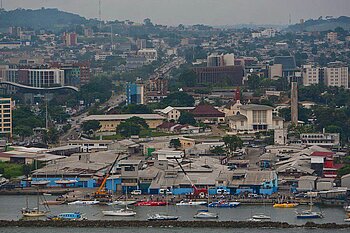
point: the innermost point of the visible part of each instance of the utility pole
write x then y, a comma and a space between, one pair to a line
46, 113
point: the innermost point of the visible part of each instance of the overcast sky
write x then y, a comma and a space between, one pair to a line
211, 12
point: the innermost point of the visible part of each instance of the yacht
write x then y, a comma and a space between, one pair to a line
224, 204
309, 214
261, 217
123, 203
35, 212
121, 212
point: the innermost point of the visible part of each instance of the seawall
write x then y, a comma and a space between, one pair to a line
188, 224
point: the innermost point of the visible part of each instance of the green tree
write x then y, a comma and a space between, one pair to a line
128, 129
175, 143
188, 78
344, 170
187, 118
178, 99
218, 150
138, 121
90, 126
232, 143
136, 109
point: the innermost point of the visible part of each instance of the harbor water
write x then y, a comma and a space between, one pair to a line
10, 209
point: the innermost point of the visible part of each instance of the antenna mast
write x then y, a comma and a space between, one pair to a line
99, 13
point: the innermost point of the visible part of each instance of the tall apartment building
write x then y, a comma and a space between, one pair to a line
336, 76
311, 75
219, 60
332, 36
6, 116
135, 93
70, 38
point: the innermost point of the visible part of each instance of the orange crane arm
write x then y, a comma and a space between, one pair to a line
102, 186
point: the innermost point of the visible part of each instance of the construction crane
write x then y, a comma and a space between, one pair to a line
101, 191
197, 192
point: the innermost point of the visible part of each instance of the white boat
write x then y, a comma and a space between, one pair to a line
347, 208
162, 217
261, 217
121, 213
123, 203
84, 203
39, 182
205, 214
26, 212
191, 203
65, 181
309, 214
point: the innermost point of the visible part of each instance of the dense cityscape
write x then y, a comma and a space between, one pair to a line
130, 117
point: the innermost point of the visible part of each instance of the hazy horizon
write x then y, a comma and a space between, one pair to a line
188, 12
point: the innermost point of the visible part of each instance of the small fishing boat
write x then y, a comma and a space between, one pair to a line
191, 203
162, 217
76, 216
151, 203
261, 217
309, 214
224, 204
84, 202
121, 213
285, 205
205, 214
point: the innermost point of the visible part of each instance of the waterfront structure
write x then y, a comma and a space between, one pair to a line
110, 122
135, 93
6, 116
336, 75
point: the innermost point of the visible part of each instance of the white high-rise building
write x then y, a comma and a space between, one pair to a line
336, 76
216, 60
311, 75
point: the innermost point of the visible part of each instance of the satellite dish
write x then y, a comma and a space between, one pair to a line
251, 70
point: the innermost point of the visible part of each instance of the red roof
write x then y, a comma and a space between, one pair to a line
206, 110
323, 154
166, 125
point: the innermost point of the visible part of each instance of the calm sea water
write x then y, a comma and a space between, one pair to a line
10, 207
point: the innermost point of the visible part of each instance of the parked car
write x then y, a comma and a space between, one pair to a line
136, 192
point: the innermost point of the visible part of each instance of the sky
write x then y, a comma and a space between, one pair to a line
188, 12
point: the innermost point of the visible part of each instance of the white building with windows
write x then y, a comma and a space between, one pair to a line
150, 54
252, 118
336, 76
311, 75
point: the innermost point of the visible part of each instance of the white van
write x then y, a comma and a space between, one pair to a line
136, 192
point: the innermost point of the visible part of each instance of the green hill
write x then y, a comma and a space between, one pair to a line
39, 19
322, 24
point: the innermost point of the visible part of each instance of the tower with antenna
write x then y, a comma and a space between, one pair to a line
99, 13
290, 19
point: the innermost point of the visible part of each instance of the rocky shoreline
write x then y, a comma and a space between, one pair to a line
186, 224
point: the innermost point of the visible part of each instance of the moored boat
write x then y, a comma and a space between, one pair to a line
309, 214
66, 181
52, 202
224, 204
76, 216
205, 214
84, 202
285, 205
191, 203
151, 203
261, 217
35, 212
131, 202
162, 217
121, 213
